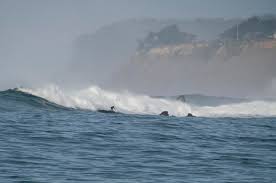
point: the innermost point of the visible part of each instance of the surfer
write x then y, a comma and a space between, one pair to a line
112, 110
190, 115
164, 113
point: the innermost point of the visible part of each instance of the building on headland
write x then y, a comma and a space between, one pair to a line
267, 44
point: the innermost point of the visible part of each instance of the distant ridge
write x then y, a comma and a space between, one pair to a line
115, 44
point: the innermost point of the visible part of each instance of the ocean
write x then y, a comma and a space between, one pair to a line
52, 135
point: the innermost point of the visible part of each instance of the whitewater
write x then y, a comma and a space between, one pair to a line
94, 98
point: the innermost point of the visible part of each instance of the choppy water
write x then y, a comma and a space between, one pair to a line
44, 142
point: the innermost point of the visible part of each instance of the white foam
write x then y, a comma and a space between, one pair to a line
246, 109
94, 98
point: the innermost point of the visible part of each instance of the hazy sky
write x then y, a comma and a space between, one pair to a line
34, 34
26, 14
38, 18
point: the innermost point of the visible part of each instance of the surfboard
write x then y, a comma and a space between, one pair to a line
106, 111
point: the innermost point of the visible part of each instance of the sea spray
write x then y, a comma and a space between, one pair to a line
244, 109
94, 98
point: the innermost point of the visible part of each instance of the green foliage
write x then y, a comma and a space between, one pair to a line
169, 35
253, 28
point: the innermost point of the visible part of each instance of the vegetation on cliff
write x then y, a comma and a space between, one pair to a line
171, 42
169, 35
254, 28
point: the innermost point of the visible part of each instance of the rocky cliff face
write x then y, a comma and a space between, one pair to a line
98, 55
240, 69
166, 66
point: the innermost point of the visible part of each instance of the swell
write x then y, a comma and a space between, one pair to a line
15, 99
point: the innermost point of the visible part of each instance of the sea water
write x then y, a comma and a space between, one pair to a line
49, 135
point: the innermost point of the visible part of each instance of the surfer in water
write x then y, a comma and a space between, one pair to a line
190, 115
166, 113
112, 110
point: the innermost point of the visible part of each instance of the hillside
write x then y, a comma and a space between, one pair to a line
169, 35
232, 67
97, 55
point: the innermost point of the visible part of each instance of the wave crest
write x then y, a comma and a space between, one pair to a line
94, 98
245, 109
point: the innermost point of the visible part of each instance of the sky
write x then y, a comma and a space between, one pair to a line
89, 15
101, 12
38, 34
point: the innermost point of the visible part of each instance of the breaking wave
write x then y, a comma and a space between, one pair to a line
94, 98
246, 109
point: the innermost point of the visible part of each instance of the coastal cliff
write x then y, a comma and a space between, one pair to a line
230, 65
97, 55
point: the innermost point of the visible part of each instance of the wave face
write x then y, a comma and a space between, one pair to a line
14, 99
94, 98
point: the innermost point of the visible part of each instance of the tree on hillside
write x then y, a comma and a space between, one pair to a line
253, 28
169, 35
